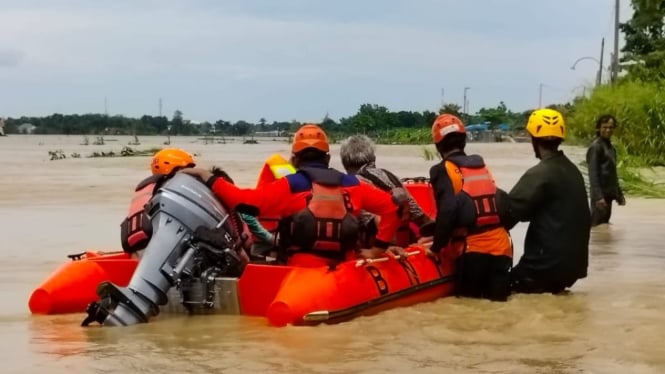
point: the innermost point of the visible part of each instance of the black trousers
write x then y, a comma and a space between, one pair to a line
527, 281
601, 215
482, 275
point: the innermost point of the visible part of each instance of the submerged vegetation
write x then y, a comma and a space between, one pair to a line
125, 152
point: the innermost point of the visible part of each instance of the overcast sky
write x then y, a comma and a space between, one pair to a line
293, 59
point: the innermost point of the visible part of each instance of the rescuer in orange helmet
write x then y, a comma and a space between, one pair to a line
317, 206
468, 225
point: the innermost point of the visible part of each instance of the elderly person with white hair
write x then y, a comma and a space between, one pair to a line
358, 157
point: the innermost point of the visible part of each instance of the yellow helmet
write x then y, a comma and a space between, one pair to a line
546, 123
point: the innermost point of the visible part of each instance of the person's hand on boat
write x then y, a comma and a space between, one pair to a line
371, 253
200, 173
376, 252
426, 243
396, 252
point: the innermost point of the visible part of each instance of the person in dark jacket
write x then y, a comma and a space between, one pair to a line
552, 197
601, 159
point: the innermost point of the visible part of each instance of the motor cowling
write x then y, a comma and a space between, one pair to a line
194, 238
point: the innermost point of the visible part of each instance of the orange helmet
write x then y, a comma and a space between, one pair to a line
310, 136
164, 161
446, 124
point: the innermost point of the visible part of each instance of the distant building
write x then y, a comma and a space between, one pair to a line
26, 128
2, 127
274, 133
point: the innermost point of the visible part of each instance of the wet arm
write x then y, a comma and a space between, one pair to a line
525, 198
270, 199
446, 205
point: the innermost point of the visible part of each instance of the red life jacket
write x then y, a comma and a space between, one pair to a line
136, 228
327, 226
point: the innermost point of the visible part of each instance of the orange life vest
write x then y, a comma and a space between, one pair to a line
483, 232
326, 227
136, 228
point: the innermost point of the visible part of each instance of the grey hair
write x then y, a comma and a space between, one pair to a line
356, 151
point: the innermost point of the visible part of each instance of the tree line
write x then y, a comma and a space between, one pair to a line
369, 119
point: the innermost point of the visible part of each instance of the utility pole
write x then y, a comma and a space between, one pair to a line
443, 91
466, 102
615, 56
106, 107
160, 106
599, 80
540, 95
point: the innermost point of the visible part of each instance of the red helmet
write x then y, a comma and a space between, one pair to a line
446, 124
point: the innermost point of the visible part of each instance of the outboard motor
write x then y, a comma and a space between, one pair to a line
194, 241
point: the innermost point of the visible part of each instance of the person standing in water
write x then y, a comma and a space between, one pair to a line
468, 223
551, 196
601, 159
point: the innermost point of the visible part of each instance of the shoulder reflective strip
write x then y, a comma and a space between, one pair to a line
476, 177
282, 170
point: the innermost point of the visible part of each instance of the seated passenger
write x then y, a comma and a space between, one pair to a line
358, 158
136, 229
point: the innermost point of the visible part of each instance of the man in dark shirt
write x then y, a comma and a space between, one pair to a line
601, 159
553, 198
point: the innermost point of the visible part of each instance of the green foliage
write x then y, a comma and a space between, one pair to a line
645, 39
451, 108
640, 111
637, 100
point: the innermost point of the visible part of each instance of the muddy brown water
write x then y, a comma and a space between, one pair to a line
611, 322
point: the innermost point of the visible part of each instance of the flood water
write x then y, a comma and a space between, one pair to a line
611, 322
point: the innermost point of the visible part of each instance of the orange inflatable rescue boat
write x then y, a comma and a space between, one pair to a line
73, 285
354, 288
282, 294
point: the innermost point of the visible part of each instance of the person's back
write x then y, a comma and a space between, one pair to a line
469, 229
555, 244
552, 197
